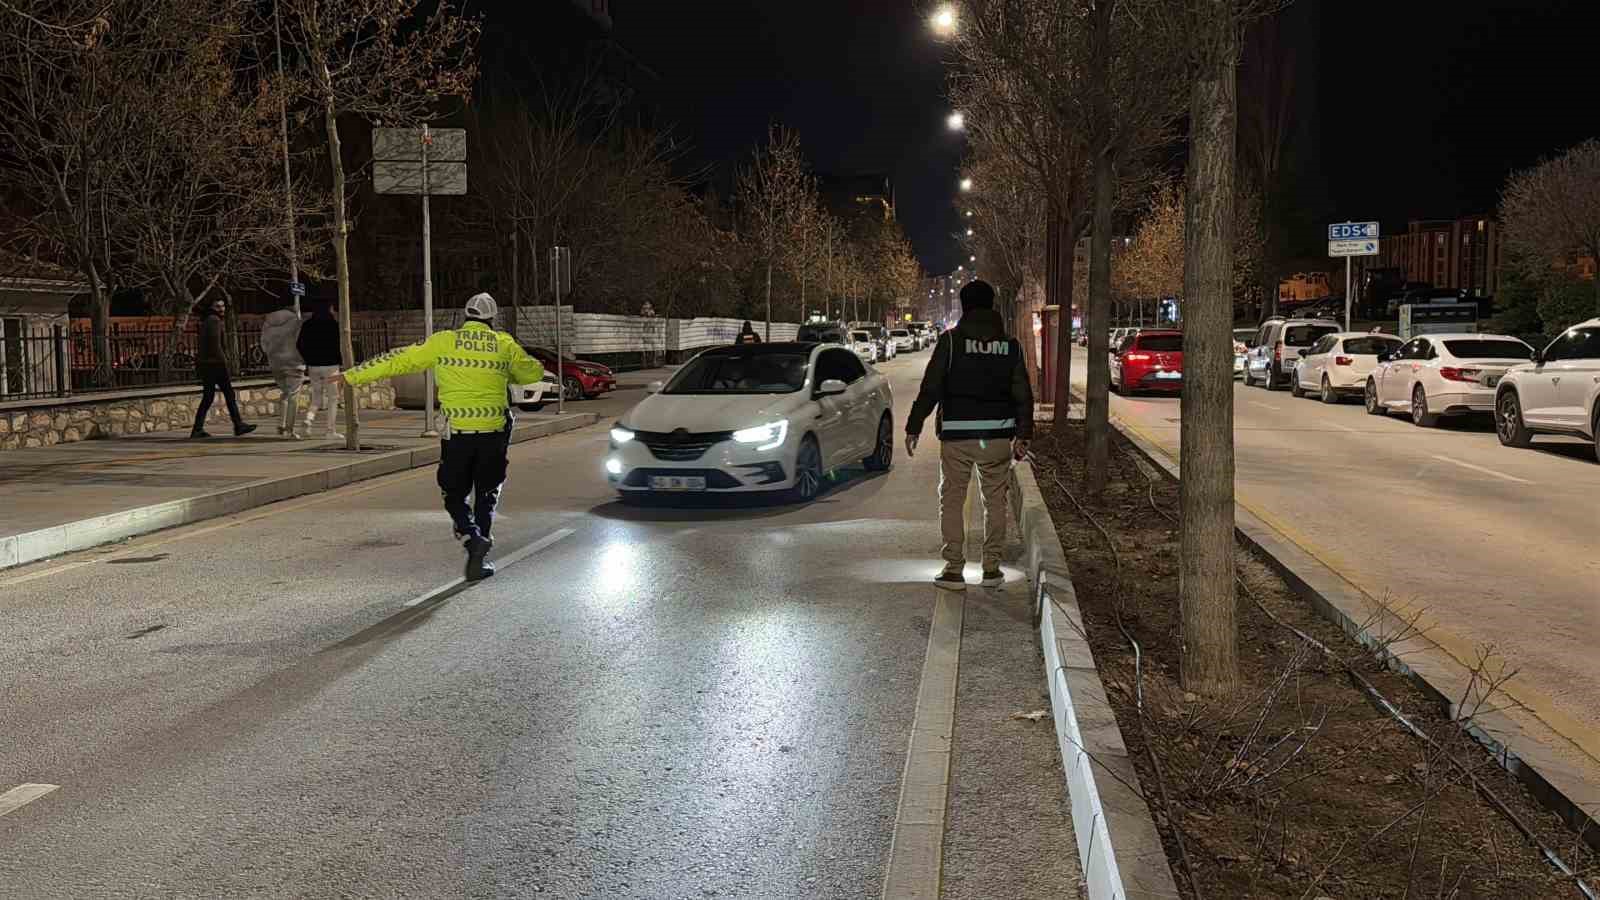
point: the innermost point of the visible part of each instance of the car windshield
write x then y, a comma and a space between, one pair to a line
1243, 334
741, 373
1370, 346
1168, 342
860, 336
1305, 335
900, 332
1489, 349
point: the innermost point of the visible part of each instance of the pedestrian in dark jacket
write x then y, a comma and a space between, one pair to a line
211, 364
979, 381
319, 347
747, 335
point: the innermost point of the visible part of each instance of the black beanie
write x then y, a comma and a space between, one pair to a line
977, 295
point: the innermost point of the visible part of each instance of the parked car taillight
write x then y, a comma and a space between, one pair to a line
1451, 373
1343, 361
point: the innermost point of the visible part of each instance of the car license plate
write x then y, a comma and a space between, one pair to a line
1169, 376
677, 483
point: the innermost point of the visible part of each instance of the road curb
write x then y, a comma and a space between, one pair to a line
1119, 846
1522, 746
32, 546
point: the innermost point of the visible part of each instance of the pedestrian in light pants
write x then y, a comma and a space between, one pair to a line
319, 347
978, 382
280, 332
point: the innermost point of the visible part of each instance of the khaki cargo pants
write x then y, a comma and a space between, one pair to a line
957, 459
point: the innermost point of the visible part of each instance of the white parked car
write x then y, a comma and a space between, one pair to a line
533, 397
1443, 375
1241, 345
1274, 353
864, 346
904, 340
753, 418
1557, 393
1338, 364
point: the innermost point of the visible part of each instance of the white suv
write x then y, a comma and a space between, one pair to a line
1275, 351
1557, 393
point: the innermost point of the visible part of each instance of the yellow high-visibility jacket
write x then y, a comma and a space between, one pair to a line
473, 365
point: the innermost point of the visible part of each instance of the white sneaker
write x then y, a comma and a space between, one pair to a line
334, 436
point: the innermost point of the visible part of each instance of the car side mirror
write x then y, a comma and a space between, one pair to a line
1385, 356
831, 387
654, 387
1538, 357
1304, 351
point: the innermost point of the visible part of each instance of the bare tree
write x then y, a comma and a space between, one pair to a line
379, 61
64, 117
773, 194
1269, 76
1008, 226
1551, 212
1211, 31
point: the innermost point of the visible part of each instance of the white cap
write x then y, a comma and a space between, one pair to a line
482, 306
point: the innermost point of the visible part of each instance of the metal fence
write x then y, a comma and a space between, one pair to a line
57, 361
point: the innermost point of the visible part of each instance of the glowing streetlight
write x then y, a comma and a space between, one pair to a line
969, 213
972, 259
956, 121
966, 184
944, 21
969, 232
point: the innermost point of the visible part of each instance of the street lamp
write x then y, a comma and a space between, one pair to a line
972, 259
966, 184
969, 213
956, 121
969, 232
944, 21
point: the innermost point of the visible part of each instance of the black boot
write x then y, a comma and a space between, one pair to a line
477, 548
240, 429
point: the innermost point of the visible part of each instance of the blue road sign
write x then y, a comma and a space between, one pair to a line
1348, 231
297, 289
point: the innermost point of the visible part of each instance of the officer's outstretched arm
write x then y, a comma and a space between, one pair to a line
404, 361
524, 368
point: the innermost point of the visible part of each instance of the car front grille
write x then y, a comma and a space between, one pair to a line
681, 446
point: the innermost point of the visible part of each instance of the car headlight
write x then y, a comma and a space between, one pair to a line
767, 436
620, 435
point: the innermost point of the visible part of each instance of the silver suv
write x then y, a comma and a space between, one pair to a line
1272, 355
1557, 393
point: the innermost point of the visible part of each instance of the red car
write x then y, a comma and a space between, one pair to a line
1149, 360
580, 379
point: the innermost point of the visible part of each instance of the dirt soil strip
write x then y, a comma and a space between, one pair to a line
1298, 785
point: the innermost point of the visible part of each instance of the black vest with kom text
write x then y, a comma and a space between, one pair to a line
977, 387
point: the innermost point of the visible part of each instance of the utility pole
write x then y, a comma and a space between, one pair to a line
428, 429
295, 287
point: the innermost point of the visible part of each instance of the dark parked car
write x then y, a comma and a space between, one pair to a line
822, 333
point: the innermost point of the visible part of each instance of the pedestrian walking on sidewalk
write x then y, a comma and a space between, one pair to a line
280, 331
318, 345
979, 381
747, 335
474, 365
211, 364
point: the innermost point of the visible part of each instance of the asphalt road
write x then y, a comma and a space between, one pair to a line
658, 703
1497, 545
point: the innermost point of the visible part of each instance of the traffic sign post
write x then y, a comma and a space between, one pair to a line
560, 283
423, 161
1349, 239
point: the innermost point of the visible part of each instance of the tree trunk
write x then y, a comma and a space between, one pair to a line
516, 281
1061, 243
341, 256
1206, 564
1097, 408
100, 328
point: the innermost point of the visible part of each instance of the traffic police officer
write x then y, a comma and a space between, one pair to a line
473, 365
979, 381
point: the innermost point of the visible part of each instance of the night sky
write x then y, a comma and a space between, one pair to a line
1418, 108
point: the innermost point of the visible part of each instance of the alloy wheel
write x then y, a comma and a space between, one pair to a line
572, 388
1328, 396
808, 472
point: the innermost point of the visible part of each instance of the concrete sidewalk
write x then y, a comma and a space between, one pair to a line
69, 497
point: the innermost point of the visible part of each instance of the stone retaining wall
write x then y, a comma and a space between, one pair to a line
82, 420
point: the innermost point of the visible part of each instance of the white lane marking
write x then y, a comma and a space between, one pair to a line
506, 561
22, 795
1467, 465
916, 846
1263, 405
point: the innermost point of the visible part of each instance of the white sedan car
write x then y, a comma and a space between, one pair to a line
864, 346
533, 397
904, 340
1338, 364
754, 418
1443, 375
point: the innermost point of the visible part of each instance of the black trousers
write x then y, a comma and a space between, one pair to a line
473, 464
215, 378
